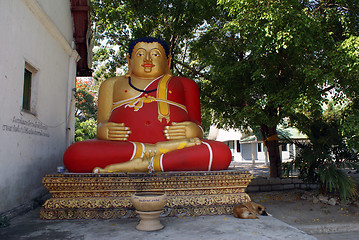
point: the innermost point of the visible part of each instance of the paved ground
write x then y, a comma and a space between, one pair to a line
291, 218
217, 227
258, 169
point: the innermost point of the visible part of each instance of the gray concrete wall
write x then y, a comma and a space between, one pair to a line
262, 184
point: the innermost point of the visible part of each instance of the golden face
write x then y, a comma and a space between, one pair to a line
149, 60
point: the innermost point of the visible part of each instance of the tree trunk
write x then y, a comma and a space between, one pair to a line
270, 139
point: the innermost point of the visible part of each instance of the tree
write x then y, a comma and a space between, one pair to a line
85, 106
85, 110
117, 22
270, 59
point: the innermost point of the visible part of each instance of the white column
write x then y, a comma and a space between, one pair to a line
253, 146
280, 152
70, 106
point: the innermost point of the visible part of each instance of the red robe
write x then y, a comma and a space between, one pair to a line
142, 117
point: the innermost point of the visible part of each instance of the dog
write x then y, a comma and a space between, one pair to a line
249, 210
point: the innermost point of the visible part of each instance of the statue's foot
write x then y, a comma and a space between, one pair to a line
159, 148
135, 165
195, 141
98, 170
171, 145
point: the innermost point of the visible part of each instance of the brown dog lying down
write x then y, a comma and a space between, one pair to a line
249, 210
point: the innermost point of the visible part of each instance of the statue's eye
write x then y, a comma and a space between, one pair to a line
156, 54
140, 53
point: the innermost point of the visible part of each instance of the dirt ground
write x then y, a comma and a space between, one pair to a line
297, 208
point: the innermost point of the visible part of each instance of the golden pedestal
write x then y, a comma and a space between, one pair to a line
108, 196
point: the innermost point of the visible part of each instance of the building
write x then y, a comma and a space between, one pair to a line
38, 65
251, 149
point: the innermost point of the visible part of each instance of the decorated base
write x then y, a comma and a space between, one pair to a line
108, 196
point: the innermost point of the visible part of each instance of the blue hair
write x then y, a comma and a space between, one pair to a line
148, 40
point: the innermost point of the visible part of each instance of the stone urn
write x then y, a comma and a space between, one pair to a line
149, 205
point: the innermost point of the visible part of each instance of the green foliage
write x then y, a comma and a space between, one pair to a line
324, 159
268, 57
350, 125
85, 129
325, 165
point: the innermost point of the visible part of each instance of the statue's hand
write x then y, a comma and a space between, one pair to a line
113, 131
183, 130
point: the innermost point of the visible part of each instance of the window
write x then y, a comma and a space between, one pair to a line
259, 147
230, 144
27, 97
238, 146
284, 147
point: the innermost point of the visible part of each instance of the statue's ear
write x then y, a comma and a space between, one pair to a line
169, 59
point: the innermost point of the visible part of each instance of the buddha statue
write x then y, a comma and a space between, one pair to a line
148, 120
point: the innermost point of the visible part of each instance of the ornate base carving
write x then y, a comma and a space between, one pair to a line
107, 196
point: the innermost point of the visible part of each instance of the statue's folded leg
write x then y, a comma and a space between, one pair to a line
209, 156
145, 155
83, 157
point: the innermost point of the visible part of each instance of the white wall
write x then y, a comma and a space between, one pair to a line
248, 150
32, 145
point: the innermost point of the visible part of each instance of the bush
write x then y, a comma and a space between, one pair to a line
326, 167
85, 129
324, 159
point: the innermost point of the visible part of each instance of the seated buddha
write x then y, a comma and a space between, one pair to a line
148, 120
